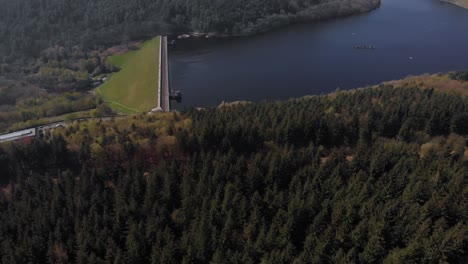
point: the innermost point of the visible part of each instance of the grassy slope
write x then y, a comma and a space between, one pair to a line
134, 88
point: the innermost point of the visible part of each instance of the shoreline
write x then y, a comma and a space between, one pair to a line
295, 19
445, 84
459, 3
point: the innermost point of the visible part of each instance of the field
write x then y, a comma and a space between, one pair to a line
134, 88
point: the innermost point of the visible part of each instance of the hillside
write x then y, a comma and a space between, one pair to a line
461, 3
89, 24
375, 175
134, 88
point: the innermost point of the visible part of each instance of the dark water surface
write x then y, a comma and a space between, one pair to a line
411, 37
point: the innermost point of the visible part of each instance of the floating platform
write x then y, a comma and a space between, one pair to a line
364, 47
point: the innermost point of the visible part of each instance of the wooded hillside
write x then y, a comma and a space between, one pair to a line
369, 176
27, 27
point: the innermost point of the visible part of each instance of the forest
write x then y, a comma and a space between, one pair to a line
28, 26
374, 175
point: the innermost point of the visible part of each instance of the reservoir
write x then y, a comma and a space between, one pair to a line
410, 37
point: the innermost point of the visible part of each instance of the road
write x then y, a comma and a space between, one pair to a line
35, 131
17, 135
165, 103
30, 132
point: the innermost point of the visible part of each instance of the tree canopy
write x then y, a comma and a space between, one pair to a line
368, 176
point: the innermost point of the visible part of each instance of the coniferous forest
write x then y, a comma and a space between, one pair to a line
368, 176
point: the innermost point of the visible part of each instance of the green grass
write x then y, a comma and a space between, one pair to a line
134, 88
120, 60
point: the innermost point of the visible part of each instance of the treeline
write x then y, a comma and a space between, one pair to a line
369, 176
460, 76
27, 27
